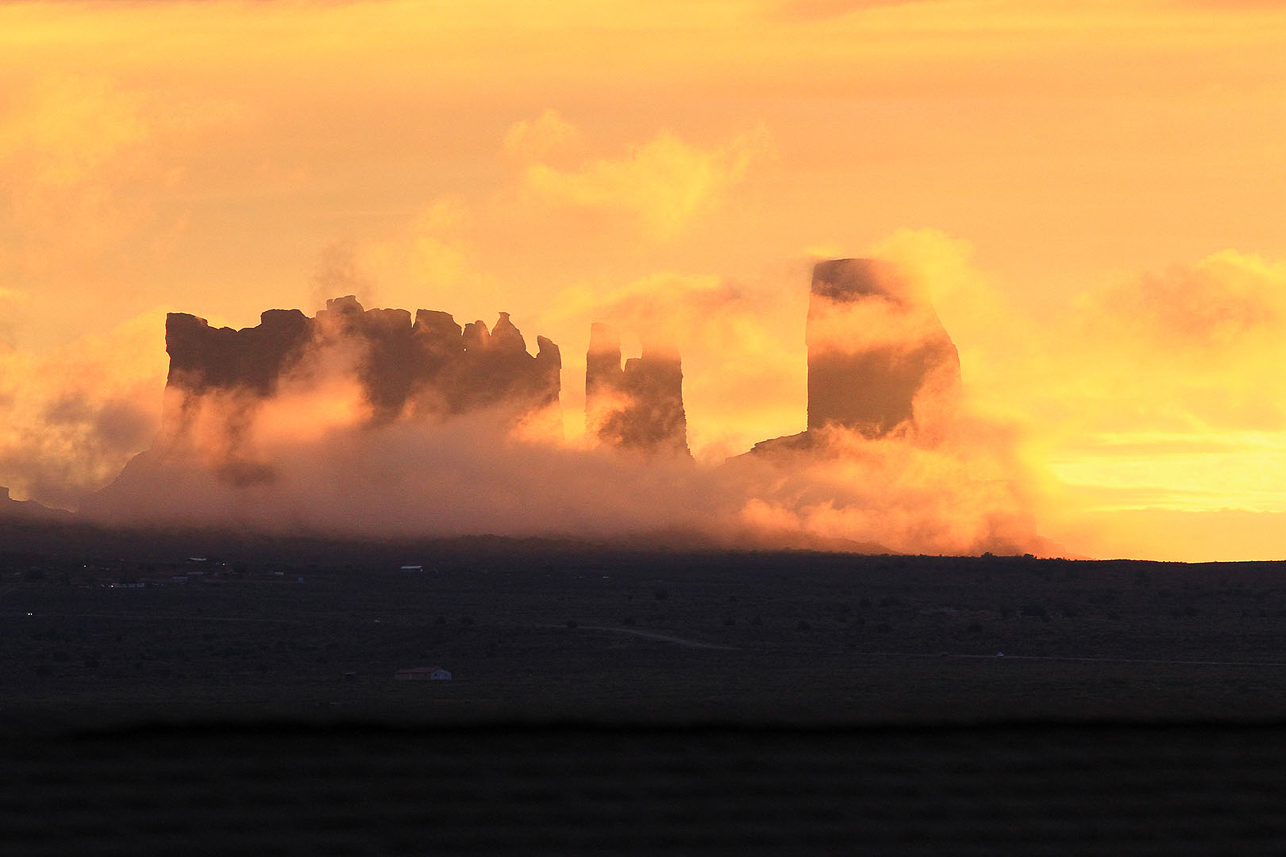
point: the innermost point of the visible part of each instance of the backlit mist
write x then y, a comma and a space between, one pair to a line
1088, 199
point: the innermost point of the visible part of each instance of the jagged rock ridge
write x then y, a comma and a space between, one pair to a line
638, 406
429, 367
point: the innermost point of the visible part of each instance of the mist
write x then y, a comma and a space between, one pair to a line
1151, 405
70, 418
314, 454
469, 474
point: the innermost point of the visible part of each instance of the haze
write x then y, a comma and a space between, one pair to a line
1089, 193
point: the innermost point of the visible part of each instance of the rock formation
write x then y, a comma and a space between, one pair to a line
878, 354
27, 510
427, 369
638, 406
872, 348
430, 367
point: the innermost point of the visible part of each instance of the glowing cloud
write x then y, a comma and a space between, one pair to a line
534, 139
664, 183
660, 166
72, 418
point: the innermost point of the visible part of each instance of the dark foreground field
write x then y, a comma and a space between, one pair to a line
637, 702
330, 790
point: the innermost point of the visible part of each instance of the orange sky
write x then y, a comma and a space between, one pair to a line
1091, 191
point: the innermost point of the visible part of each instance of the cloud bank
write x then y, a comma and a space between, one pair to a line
313, 454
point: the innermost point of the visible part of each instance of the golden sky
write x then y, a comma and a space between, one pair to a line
1091, 191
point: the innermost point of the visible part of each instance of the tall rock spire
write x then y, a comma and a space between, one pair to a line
638, 406
873, 348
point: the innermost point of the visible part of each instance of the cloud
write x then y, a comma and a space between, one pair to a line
68, 128
469, 475
663, 183
1196, 347
814, 10
741, 343
10, 301
95, 169
1216, 305
339, 273
430, 256
1163, 392
309, 459
71, 418
71, 145
1192, 347
962, 491
1155, 391
536, 139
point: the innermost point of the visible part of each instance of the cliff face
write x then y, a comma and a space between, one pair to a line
433, 367
873, 347
878, 356
204, 358
429, 368
638, 406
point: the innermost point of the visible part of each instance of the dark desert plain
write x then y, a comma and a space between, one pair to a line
632, 701
693, 427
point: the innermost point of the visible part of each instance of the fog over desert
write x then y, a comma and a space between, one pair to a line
1086, 198
693, 426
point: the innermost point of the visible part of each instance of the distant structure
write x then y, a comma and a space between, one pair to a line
423, 674
638, 406
872, 348
875, 350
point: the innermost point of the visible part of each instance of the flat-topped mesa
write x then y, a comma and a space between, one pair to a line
873, 348
429, 367
879, 359
638, 406
204, 358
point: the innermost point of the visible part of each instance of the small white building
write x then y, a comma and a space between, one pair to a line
423, 674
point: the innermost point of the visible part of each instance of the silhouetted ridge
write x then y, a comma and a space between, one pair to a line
872, 348
204, 358
877, 354
638, 406
431, 367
